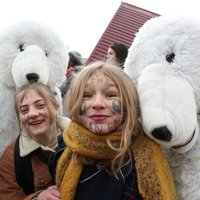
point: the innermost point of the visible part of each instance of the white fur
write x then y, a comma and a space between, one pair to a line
27, 47
169, 93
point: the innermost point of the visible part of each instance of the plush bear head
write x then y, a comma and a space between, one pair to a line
164, 61
29, 52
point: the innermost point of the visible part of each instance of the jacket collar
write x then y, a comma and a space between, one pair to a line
27, 144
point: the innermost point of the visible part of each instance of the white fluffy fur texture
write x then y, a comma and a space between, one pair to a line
164, 61
27, 47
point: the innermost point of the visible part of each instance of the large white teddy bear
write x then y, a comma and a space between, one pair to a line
29, 52
164, 61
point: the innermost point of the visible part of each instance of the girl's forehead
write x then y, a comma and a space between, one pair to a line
99, 77
103, 80
99, 73
30, 94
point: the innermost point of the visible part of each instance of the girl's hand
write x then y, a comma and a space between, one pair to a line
51, 193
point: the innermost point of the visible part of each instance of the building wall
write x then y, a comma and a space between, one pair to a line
121, 29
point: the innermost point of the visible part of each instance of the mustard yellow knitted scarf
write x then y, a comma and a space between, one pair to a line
85, 143
155, 181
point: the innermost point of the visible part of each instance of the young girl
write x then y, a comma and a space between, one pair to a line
37, 111
106, 154
117, 54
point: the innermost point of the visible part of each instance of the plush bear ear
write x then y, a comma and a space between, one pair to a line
170, 57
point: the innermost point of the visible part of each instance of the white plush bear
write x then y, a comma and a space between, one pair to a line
29, 52
164, 60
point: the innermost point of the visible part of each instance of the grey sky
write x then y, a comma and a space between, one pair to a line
81, 23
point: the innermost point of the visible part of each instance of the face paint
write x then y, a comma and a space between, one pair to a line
82, 108
27, 96
101, 112
112, 125
94, 128
98, 128
117, 106
90, 126
99, 79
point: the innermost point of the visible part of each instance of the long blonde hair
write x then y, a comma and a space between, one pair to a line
129, 99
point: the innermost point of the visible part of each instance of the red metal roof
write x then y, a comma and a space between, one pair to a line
121, 29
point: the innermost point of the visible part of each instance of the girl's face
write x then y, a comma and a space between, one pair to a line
34, 115
100, 111
111, 56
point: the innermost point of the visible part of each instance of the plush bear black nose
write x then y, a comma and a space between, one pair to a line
162, 133
32, 77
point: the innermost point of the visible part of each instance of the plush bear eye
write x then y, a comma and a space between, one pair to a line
46, 54
170, 57
21, 47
